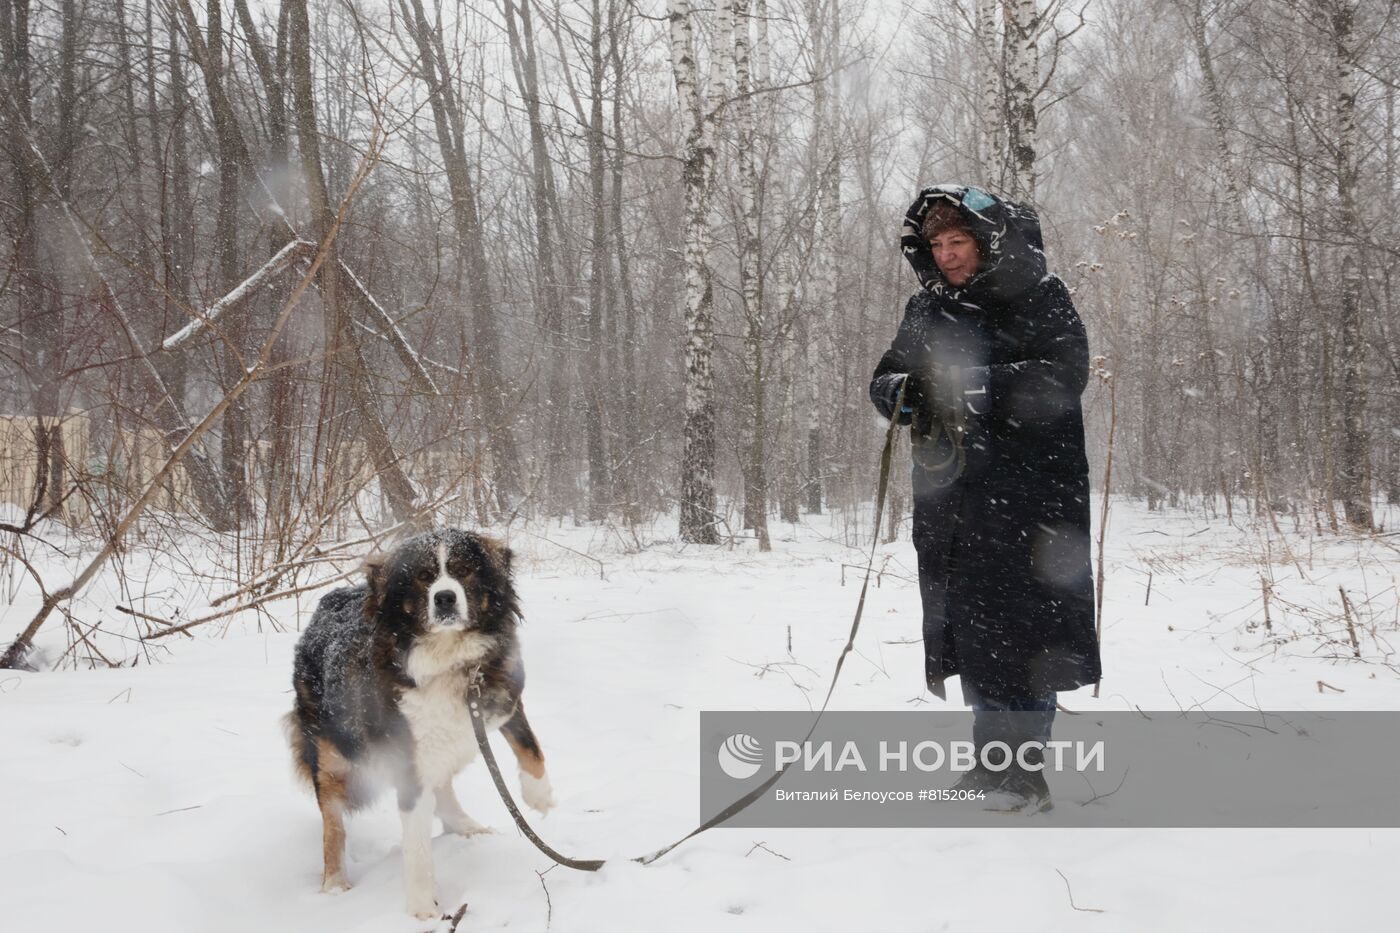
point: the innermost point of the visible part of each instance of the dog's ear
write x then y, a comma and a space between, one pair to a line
376, 568
498, 555
499, 558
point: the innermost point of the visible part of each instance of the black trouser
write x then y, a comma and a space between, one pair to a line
1030, 719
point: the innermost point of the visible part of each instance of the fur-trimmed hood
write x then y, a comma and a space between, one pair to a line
1007, 235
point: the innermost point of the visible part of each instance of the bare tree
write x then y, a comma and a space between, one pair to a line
1354, 474
345, 363
698, 512
755, 469
494, 392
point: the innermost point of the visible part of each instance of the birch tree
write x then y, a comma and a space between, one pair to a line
991, 121
697, 493
1354, 473
756, 477
1023, 26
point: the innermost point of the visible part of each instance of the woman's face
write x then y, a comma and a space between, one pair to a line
955, 252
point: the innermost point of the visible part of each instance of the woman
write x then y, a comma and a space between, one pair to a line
992, 358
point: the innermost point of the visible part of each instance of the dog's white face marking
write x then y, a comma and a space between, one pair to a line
447, 601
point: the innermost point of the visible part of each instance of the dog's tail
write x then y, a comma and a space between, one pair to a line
360, 786
303, 749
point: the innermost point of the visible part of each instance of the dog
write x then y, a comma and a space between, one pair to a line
382, 676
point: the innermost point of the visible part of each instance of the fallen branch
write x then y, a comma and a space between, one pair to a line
252, 604
127, 610
1351, 623
285, 256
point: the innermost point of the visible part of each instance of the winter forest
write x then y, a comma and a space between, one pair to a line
283, 281
275, 269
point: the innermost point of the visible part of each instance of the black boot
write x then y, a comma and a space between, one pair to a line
979, 780
1022, 790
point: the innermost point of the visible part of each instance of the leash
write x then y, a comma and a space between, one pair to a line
943, 473
479, 722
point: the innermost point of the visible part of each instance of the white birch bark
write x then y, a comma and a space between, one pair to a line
990, 115
1023, 29
697, 507
755, 476
762, 51
1215, 101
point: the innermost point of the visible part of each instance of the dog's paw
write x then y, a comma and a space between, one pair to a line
538, 793
420, 893
424, 908
334, 884
465, 826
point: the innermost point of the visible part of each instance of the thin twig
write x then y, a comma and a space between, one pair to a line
234, 610
548, 901
1070, 891
760, 845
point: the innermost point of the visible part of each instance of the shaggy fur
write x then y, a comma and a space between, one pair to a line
381, 678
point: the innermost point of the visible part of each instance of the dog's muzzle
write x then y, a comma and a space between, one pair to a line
447, 604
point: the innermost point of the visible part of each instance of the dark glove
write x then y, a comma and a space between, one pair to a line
919, 402
935, 400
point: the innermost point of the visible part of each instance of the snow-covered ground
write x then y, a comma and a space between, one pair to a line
160, 797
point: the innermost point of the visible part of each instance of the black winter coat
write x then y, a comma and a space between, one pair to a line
1002, 537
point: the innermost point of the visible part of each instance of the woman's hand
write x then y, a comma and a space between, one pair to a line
935, 399
919, 394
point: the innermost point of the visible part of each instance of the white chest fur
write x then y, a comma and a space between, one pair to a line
436, 709
441, 652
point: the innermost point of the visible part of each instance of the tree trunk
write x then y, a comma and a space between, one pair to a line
36, 324
698, 516
496, 396
1023, 29
232, 160
625, 480
755, 476
547, 260
991, 119
789, 447
345, 362
599, 310
282, 391
1354, 471
821, 294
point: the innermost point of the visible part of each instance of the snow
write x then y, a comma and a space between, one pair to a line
160, 797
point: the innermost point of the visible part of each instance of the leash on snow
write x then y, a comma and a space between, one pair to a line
479, 723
